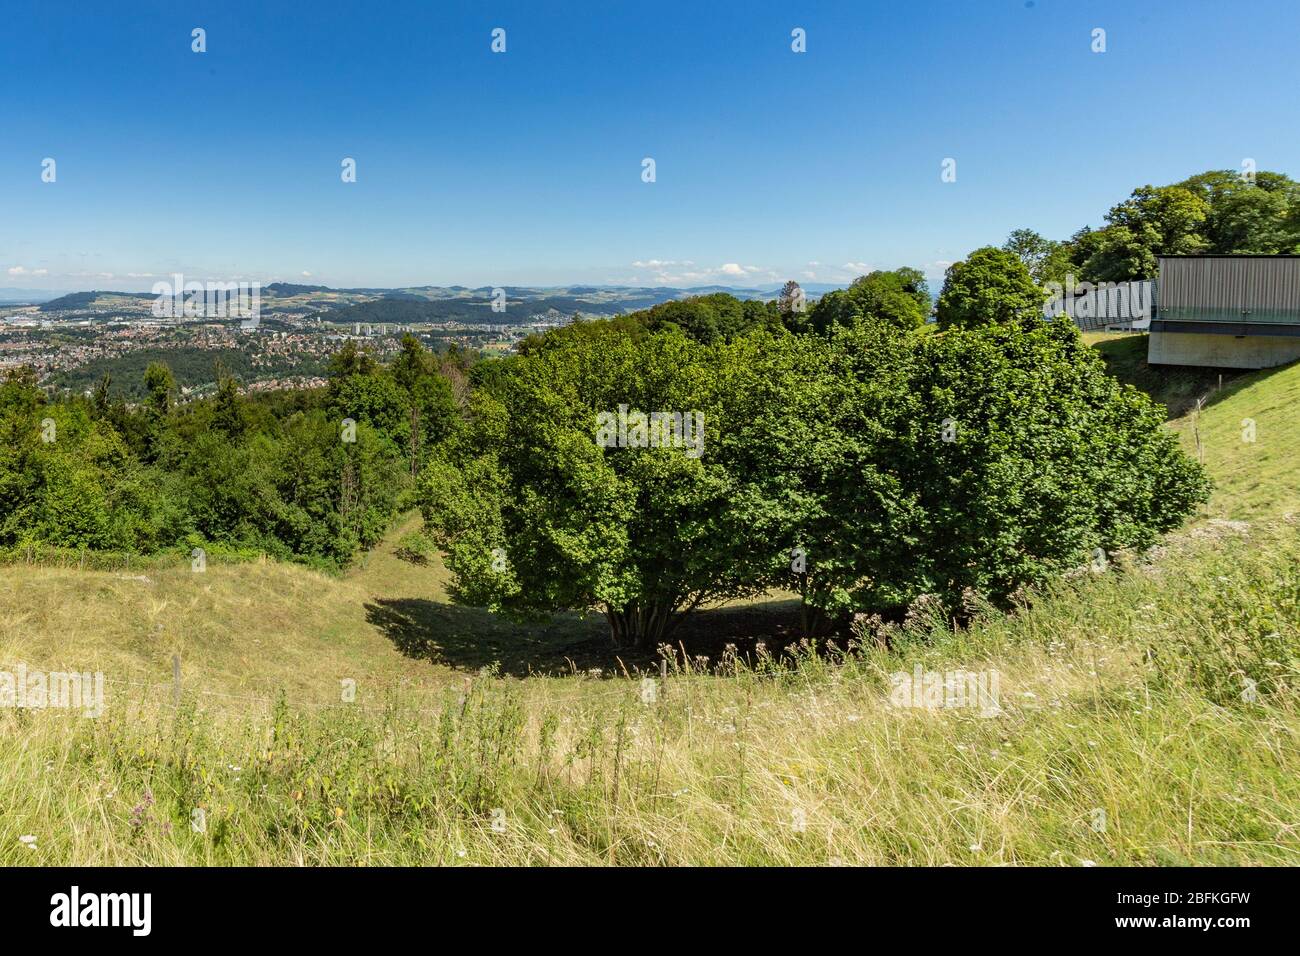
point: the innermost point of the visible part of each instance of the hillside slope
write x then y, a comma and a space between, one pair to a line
265, 626
1147, 715
245, 628
1247, 431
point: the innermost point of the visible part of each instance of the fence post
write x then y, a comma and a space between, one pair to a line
176, 679
663, 668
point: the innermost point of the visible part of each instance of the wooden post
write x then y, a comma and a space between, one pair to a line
663, 668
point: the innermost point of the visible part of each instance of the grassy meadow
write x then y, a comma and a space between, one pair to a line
1126, 733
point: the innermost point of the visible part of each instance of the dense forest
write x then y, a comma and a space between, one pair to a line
312, 476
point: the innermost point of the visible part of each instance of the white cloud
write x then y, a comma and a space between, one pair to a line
684, 272
306, 274
661, 263
24, 271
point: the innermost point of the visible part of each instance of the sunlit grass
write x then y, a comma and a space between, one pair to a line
1122, 737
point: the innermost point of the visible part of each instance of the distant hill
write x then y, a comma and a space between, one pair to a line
429, 303
290, 289
95, 299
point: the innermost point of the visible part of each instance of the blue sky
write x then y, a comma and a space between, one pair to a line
525, 167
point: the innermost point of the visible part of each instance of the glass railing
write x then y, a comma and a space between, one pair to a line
1251, 316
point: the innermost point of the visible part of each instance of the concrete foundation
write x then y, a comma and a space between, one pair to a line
1222, 351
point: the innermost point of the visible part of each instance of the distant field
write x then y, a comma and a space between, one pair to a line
1125, 737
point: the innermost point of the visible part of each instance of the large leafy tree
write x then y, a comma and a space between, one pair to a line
1046, 259
1018, 456
1153, 221
1222, 211
976, 461
899, 297
536, 515
1256, 215
864, 468
989, 286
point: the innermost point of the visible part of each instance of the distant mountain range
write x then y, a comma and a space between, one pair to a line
425, 303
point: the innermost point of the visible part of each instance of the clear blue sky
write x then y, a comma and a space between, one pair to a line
525, 167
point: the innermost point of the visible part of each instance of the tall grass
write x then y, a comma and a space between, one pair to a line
1149, 715
1117, 743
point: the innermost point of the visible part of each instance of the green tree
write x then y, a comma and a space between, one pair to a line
979, 461
900, 298
990, 286
159, 384
228, 413
1046, 259
537, 515
1153, 221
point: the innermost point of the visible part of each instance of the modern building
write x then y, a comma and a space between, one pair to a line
1226, 311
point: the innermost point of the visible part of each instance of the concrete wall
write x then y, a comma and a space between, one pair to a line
1221, 351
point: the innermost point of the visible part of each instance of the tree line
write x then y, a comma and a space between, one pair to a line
862, 461
1222, 212
851, 451
312, 476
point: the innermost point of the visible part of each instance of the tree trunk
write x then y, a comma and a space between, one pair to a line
642, 627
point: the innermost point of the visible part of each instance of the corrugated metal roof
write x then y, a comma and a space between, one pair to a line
1230, 288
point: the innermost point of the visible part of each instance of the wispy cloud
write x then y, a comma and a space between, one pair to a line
684, 272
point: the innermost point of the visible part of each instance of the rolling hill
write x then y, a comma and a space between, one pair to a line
1114, 744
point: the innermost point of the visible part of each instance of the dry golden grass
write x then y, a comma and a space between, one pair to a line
1111, 746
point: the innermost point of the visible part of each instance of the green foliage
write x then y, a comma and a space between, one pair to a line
536, 516
1046, 259
989, 286
160, 384
1168, 220
1219, 212
900, 298
1049, 458
830, 446
415, 547
709, 318
273, 474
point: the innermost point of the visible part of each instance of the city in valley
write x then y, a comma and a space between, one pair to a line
73, 341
